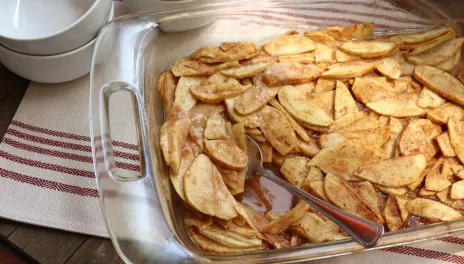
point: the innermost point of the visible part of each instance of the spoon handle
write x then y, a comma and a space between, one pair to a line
367, 233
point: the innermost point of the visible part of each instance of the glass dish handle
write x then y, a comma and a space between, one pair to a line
134, 214
135, 195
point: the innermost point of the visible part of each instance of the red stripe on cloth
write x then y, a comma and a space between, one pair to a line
47, 152
267, 19
49, 132
49, 184
261, 23
47, 141
372, 5
333, 10
425, 253
453, 240
66, 145
67, 135
64, 155
47, 166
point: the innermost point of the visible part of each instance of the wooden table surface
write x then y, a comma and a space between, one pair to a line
39, 244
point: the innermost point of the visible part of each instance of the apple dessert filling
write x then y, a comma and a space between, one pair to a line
372, 124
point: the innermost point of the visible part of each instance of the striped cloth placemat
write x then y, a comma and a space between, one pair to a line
46, 171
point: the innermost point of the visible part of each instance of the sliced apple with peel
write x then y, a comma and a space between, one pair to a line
414, 49
255, 98
324, 85
323, 53
189, 67
238, 130
341, 56
233, 179
211, 246
368, 48
393, 191
402, 84
300, 131
376, 136
173, 137
215, 128
431, 209
429, 99
393, 172
419, 137
289, 44
313, 228
359, 31
400, 105
433, 166
325, 101
369, 194
456, 134
363, 123
442, 83
436, 182
345, 157
300, 108
205, 190
392, 214
189, 152
226, 52
444, 197
251, 121
291, 72
277, 130
341, 194
231, 238
167, 88
323, 38
327, 140
451, 63
348, 70
217, 92
309, 148
306, 88
248, 70
344, 102
284, 222
437, 54
445, 145
441, 114
457, 190
391, 66
315, 188
419, 37
295, 169
303, 58
226, 153
182, 96
369, 90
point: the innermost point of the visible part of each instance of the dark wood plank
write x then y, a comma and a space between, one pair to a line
95, 250
10, 103
7, 227
46, 245
9, 82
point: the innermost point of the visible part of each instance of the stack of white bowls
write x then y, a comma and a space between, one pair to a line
50, 41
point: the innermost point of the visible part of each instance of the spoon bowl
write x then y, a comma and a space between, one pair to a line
366, 232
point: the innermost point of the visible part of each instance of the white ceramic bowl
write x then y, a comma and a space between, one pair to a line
49, 27
51, 69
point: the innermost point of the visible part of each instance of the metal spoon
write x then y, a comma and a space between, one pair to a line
367, 233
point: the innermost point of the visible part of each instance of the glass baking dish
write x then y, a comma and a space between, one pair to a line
142, 212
